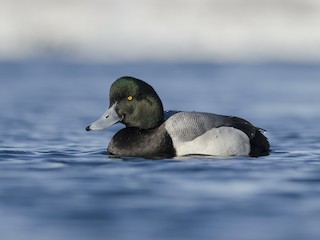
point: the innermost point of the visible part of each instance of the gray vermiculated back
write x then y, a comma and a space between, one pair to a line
189, 125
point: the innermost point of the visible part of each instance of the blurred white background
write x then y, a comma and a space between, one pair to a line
160, 30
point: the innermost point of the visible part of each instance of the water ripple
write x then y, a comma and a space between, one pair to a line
55, 178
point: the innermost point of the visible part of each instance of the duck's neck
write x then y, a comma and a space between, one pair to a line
152, 114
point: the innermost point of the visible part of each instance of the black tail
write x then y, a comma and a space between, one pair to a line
259, 145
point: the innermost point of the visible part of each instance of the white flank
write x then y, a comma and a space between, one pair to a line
222, 141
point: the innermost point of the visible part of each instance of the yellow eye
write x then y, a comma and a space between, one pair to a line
130, 98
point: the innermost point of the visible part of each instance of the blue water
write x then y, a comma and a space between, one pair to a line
58, 182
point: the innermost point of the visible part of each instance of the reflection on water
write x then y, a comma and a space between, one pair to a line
58, 182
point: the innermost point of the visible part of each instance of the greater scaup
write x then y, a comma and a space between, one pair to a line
149, 133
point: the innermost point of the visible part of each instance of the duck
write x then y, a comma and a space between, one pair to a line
151, 132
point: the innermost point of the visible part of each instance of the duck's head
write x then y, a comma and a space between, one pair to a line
133, 103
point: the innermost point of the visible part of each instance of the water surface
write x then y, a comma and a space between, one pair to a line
58, 182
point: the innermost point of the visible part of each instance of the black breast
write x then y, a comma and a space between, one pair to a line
134, 142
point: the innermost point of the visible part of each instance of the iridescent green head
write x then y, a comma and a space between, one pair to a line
136, 102
132, 102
